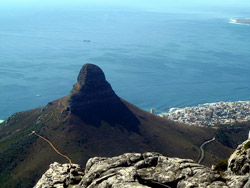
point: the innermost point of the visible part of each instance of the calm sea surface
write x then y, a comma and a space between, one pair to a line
153, 60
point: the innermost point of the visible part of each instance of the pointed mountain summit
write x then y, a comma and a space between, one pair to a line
93, 100
91, 80
92, 121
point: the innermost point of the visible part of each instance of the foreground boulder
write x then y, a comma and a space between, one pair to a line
143, 170
147, 170
239, 161
60, 175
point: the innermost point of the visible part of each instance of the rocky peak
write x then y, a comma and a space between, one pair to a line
90, 74
91, 83
91, 77
94, 101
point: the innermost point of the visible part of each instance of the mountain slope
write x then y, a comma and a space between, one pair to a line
91, 121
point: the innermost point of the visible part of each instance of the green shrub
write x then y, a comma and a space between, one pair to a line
221, 166
247, 146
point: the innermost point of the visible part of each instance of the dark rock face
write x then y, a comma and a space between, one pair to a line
94, 101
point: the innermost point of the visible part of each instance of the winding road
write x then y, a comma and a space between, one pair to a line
202, 150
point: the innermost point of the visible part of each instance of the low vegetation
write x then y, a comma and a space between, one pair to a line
247, 145
221, 166
233, 135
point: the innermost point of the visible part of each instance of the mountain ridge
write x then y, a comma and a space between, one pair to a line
92, 121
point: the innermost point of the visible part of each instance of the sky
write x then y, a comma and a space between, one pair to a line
217, 8
140, 4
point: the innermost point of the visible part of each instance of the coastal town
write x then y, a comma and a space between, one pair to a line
211, 114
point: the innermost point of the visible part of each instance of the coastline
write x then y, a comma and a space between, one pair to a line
239, 21
174, 109
1, 121
210, 114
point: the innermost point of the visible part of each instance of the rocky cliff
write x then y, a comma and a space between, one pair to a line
149, 170
93, 100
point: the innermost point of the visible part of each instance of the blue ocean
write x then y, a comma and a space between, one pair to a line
152, 59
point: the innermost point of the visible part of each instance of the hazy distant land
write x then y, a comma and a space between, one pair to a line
244, 21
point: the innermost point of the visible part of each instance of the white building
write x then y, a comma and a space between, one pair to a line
152, 110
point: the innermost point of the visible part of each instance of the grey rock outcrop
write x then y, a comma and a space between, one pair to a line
60, 176
139, 170
136, 170
239, 161
239, 166
147, 170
